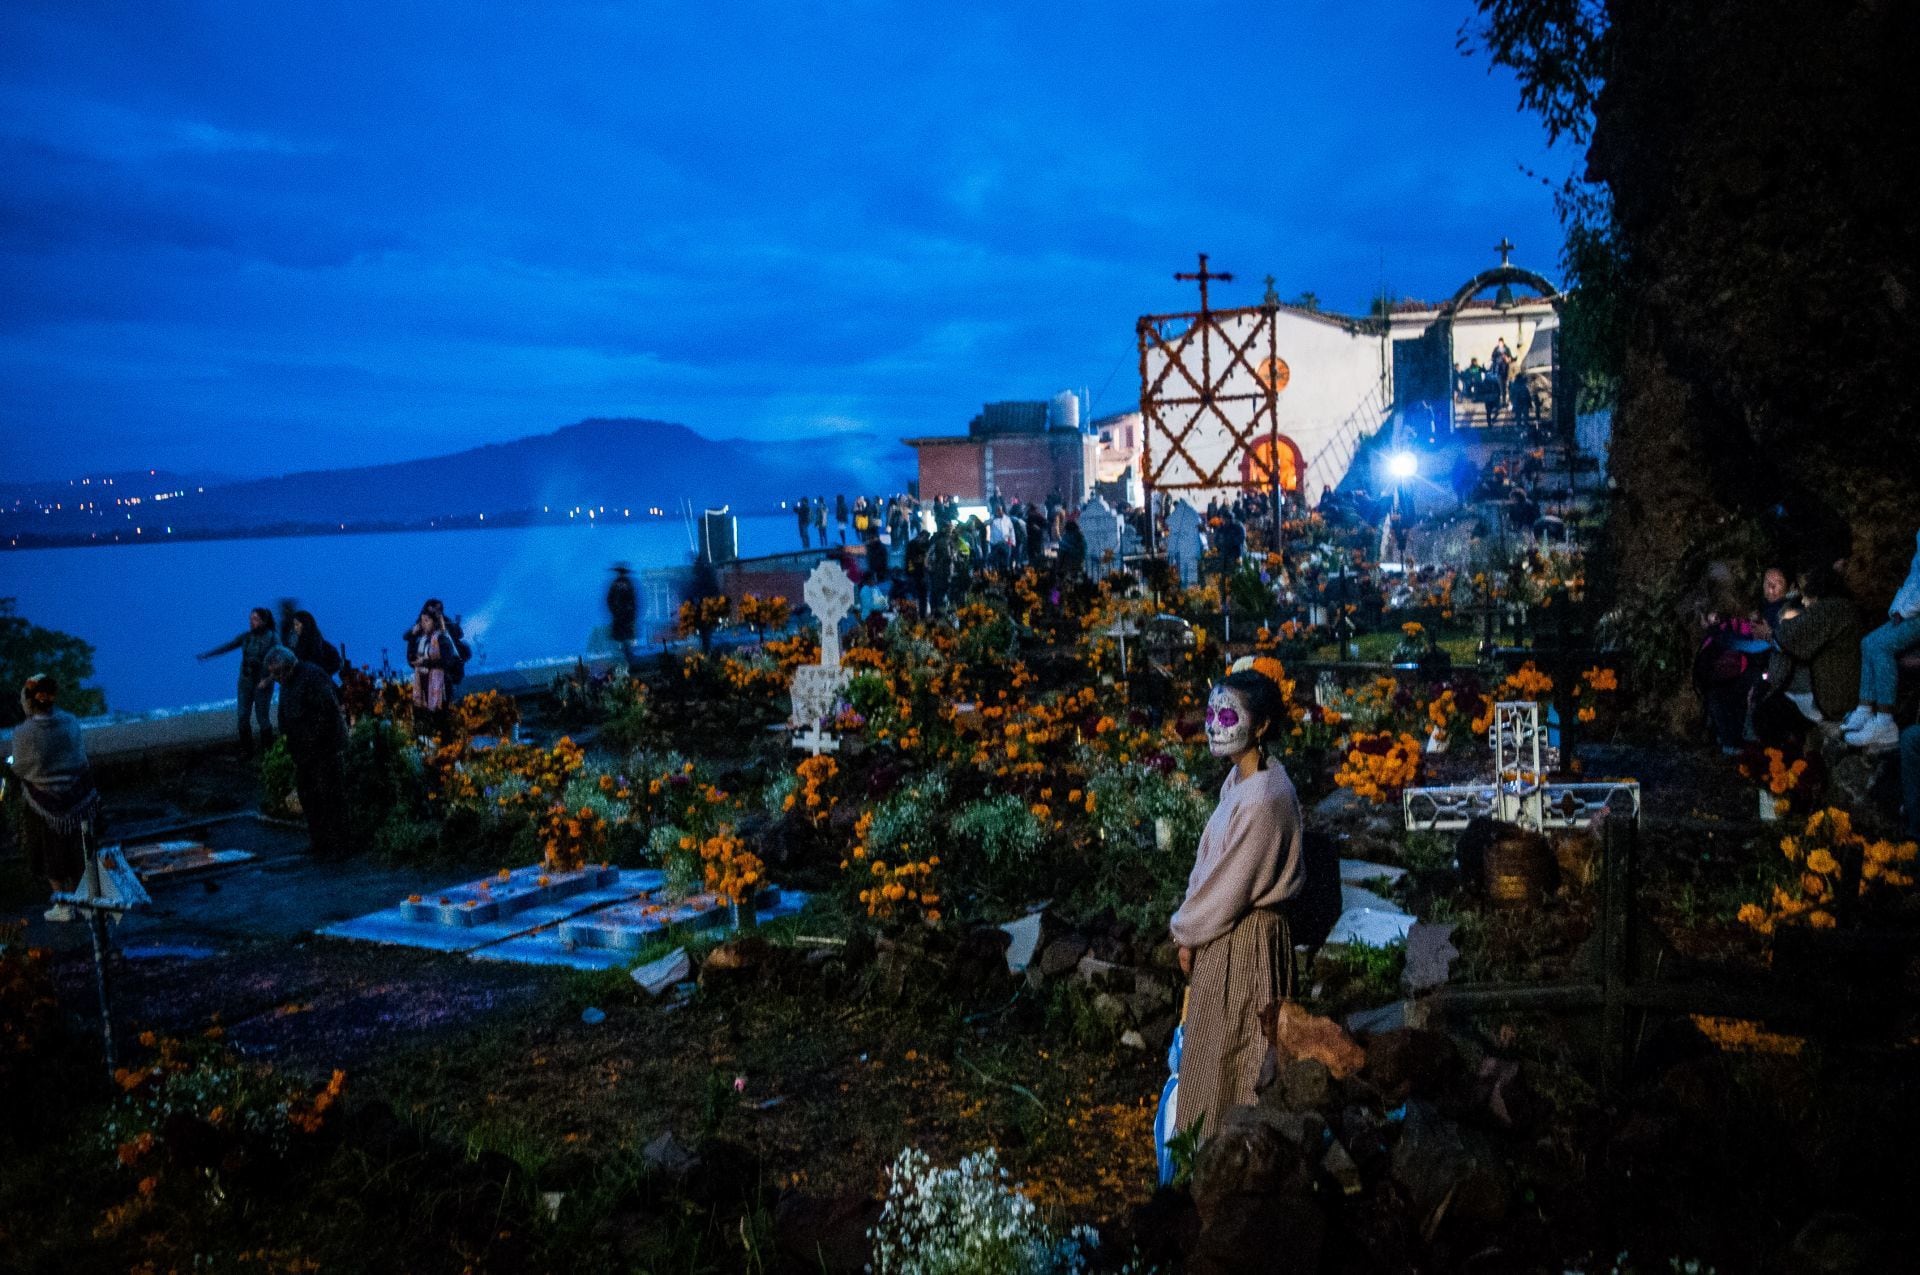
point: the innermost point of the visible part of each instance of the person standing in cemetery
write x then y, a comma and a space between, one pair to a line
820, 520
1871, 725
941, 556
840, 514
431, 654
1235, 945
917, 567
56, 780
316, 733
803, 514
255, 690
1072, 562
310, 646
879, 571
623, 610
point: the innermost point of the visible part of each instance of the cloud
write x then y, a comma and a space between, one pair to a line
379, 230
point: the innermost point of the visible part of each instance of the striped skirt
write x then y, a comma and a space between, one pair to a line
1236, 976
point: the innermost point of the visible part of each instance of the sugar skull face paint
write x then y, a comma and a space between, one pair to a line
1229, 724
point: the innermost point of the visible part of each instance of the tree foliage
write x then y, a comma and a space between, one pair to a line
1557, 48
26, 649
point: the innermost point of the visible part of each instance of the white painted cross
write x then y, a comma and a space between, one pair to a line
1519, 791
816, 687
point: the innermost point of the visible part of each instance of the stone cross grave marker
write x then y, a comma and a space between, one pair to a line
816, 687
1519, 790
1183, 542
1100, 525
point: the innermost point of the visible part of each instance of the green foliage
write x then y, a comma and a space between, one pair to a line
1004, 832
1352, 976
868, 693
26, 649
1428, 852
1184, 1147
276, 779
384, 776
1557, 49
403, 839
1129, 800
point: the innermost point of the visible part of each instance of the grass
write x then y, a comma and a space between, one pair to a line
1378, 648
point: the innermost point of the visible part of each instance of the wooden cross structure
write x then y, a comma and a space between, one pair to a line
1218, 369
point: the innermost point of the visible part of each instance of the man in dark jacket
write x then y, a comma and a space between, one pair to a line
917, 567
623, 610
1816, 663
803, 514
316, 735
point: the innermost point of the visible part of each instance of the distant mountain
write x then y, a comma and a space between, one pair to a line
619, 464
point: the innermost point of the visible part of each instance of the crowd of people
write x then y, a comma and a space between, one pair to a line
1800, 656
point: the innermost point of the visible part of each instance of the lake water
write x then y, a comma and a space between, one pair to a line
524, 593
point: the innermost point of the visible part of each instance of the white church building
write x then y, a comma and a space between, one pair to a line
1332, 380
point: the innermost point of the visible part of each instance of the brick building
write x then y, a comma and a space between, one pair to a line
1023, 451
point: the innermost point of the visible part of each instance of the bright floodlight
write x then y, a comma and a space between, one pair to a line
1403, 464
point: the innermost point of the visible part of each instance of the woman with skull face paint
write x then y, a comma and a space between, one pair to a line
1235, 944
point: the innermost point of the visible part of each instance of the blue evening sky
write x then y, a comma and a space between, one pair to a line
254, 237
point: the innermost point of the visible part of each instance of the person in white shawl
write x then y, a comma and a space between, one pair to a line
50, 762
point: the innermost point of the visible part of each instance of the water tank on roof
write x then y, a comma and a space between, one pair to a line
1064, 411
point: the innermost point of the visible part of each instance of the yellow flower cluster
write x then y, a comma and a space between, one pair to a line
764, 615
1818, 852
703, 616
731, 871
486, 713
789, 653
896, 888
1376, 772
568, 838
1744, 1036
1413, 628
1441, 710
750, 677
1527, 682
1594, 683
815, 774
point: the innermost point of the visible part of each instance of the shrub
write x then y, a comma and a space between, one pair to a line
276, 780
384, 775
967, 1221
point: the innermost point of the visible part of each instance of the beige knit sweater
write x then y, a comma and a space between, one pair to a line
1250, 856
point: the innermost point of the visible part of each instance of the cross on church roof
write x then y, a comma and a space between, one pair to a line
1203, 276
1505, 249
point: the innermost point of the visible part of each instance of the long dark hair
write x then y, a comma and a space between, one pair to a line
1263, 701
309, 627
265, 613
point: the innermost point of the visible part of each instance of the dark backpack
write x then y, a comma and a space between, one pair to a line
1312, 912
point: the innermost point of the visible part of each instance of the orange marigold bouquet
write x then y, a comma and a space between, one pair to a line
730, 871
1379, 765
1818, 856
570, 838
765, 615
1594, 686
1525, 683
812, 797
188, 1098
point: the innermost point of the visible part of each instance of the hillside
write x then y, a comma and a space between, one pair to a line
612, 463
